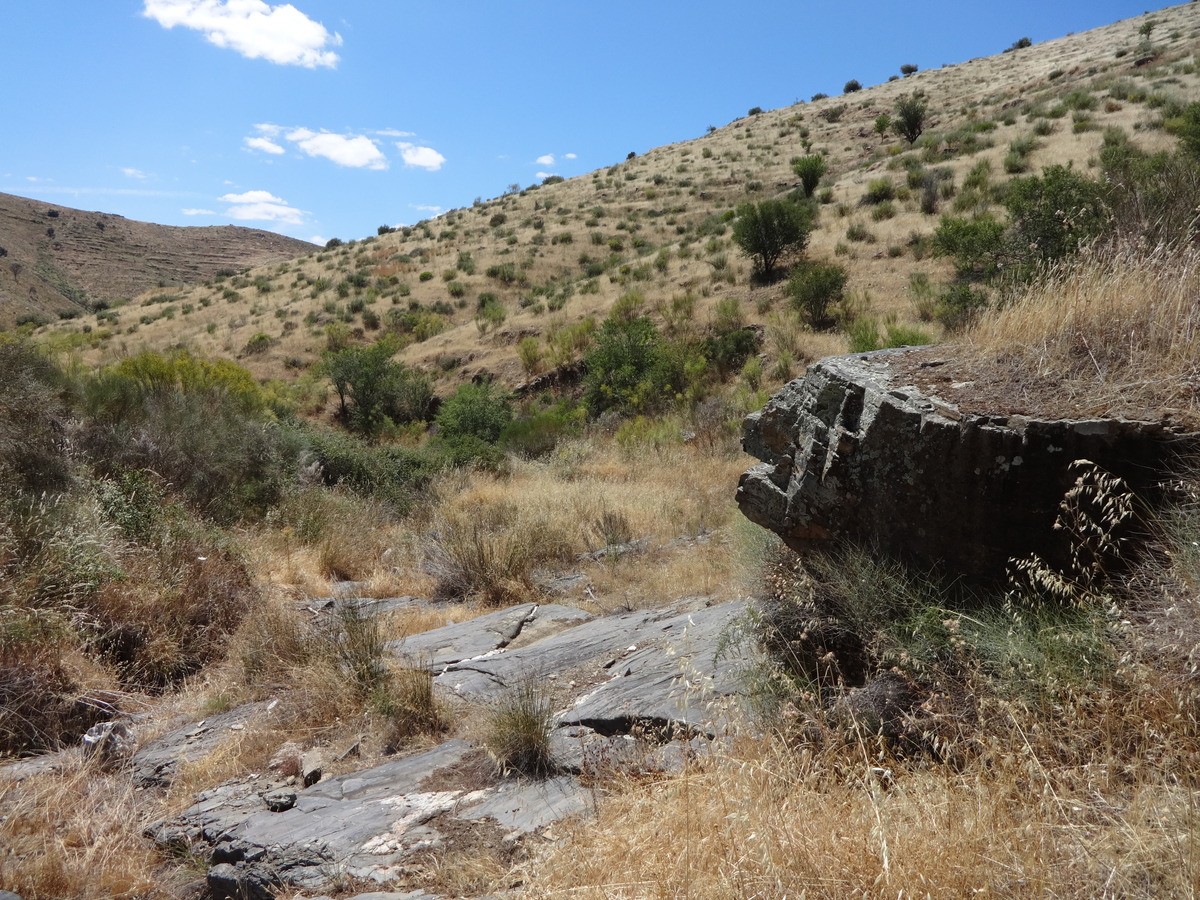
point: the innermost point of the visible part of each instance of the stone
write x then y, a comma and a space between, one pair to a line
441, 647
363, 825
228, 882
850, 451
110, 744
660, 667
157, 762
279, 800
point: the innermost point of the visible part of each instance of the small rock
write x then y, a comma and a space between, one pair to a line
279, 800
287, 760
109, 743
310, 767
354, 750
228, 882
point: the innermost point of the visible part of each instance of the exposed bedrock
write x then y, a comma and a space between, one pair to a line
853, 451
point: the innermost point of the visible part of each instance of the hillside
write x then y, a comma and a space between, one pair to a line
63, 262
555, 254
468, 641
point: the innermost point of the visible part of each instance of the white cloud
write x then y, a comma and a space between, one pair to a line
392, 132
317, 239
279, 34
542, 174
353, 150
133, 173
421, 157
266, 145
431, 209
262, 206
570, 156
197, 212
547, 160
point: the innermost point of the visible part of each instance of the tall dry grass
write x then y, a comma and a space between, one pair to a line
493, 533
1117, 328
1117, 816
79, 835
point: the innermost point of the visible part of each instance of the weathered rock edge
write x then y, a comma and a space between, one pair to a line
850, 451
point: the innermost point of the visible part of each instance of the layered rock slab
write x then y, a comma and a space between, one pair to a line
855, 451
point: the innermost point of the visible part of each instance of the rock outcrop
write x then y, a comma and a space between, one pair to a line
623, 684
853, 450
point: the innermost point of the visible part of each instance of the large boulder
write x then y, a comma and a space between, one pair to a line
857, 450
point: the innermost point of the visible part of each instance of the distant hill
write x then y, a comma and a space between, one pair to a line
55, 260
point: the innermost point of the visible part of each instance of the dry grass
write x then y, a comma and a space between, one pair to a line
1020, 819
1122, 328
79, 835
494, 532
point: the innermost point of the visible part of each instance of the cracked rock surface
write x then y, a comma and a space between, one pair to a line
855, 450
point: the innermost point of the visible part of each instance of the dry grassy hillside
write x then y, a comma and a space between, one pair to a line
555, 254
61, 262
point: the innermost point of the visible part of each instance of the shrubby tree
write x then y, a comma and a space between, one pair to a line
908, 69
813, 288
630, 367
976, 245
851, 86
910, 117
1054, 214
809, 170
478, 411
373, 389
768, 230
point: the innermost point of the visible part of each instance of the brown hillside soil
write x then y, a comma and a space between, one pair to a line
61, 259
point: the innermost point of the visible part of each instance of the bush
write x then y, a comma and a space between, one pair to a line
809, 170
768, 230
813, 288
630, 367
374, 390
33, 413
201, 425
851, 86
958, 305
479, 411
1055, 214
910, 117
879, 190
976, 245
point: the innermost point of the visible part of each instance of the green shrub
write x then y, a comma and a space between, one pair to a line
813, 288
479, 411
374, 390
809, 170
768, 230
631, 367
958, 304
976, 245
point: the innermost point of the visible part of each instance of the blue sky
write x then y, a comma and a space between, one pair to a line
328, 118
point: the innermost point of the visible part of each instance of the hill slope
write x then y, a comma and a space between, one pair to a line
57, 259
560, 253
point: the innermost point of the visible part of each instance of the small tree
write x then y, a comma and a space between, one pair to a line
768, 230
910, 117
813, 288
883, 123
809, 170
851, 86
373, 389
475, 411
908, 69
